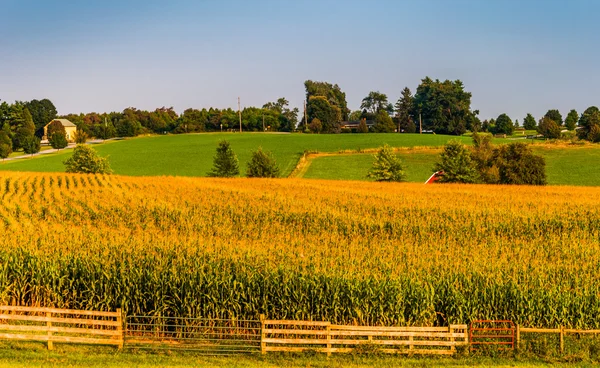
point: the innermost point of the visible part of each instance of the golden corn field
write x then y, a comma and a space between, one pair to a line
347, 252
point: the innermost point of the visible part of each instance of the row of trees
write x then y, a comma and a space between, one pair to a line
226, 164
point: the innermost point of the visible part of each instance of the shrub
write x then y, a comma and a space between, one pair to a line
518, 165
346, 130
5, 150
85, 160
549, 128
225, 163
31, 144
457, 165
362, 126
80, 137
386, 166
315, 126
58, 140
384, 123
262, 165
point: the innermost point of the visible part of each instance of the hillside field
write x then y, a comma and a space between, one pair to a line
192, 154
564, 165
346, 252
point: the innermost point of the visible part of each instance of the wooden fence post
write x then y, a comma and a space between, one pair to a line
451, 331
120, 328
518, 336
562, 339
328, 327
263, 344
49, 325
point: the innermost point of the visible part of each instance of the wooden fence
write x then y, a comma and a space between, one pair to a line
298, 336
561, 331
61, 325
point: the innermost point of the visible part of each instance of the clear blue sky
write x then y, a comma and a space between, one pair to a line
514, 56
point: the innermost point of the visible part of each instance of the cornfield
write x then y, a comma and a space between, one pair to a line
345, 252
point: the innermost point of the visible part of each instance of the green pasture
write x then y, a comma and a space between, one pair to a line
564, 165
192, 154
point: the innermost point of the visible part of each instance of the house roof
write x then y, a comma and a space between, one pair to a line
64, 122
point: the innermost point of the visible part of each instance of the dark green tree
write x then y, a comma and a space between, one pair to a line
329, 115
57, 136
404, 107
225, 163
42, 112
332, 94
384, 123
31, 144
518, 165
555, 115
387, 166
262, 165
375, 102
548, 128
571, 120
456, 164
587, 121
315, 126
445, 107
529, 122
5, 150
85, 160
504, 125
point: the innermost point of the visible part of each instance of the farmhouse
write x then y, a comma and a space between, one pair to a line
70, 129
355, 124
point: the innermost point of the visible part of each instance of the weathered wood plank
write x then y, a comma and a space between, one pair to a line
540, 330
76, 330
80, 321
295, 341
296, 323
398, 334
295, 332
57, 311
397, 342
295, 349
390, 329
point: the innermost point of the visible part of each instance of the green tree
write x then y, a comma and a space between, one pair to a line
529, 122
355, 115
456, 164
80, 136
404, 107
587, 121
384, 123
332, 94
362, 126
375, 102
571, 120
85, 160
591, 130
315, 126
518, 165
555, 115
225, 163
445, 107
329, 115
31, 145
42, 112
387, 166
57, 136
482, 155
6, 140
548, 128
262, 165
5, 150
504, 125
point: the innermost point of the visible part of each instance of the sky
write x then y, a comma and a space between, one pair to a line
514, 56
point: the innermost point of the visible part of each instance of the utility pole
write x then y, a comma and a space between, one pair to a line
263, 121
420, 125
305, 118
240, 113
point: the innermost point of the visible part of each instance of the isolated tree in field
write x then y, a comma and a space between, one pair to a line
518, 165
31, 145
529, 122
548, 128
57, 136
386, 166
362, 126
504, 125
384, 123
225, 163
456, 163
555, 115
80, 136
571, 120
85, 160
262, 165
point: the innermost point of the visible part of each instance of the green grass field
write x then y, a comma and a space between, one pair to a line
564, 165
192, 154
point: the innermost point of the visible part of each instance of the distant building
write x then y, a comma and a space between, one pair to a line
355, 124
70, 129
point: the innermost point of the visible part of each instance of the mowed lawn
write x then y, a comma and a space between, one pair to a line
577, 165
192, 154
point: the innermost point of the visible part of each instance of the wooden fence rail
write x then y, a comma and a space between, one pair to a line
298, 336
61, 325
561, 331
